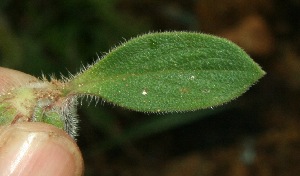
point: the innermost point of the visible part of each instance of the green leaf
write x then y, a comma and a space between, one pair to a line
170, 71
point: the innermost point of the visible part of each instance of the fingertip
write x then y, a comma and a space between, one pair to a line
12, 78
38, 149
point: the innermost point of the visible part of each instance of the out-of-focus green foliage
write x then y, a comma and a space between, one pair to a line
48, 36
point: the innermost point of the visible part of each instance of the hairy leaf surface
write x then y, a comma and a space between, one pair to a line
169, 71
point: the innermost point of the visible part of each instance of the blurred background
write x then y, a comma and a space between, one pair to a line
257, 134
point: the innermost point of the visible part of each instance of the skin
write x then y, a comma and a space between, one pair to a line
34, 148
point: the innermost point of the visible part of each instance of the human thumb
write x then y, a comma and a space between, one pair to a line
33, 148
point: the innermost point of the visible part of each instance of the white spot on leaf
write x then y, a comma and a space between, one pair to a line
206, 91
144, 92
